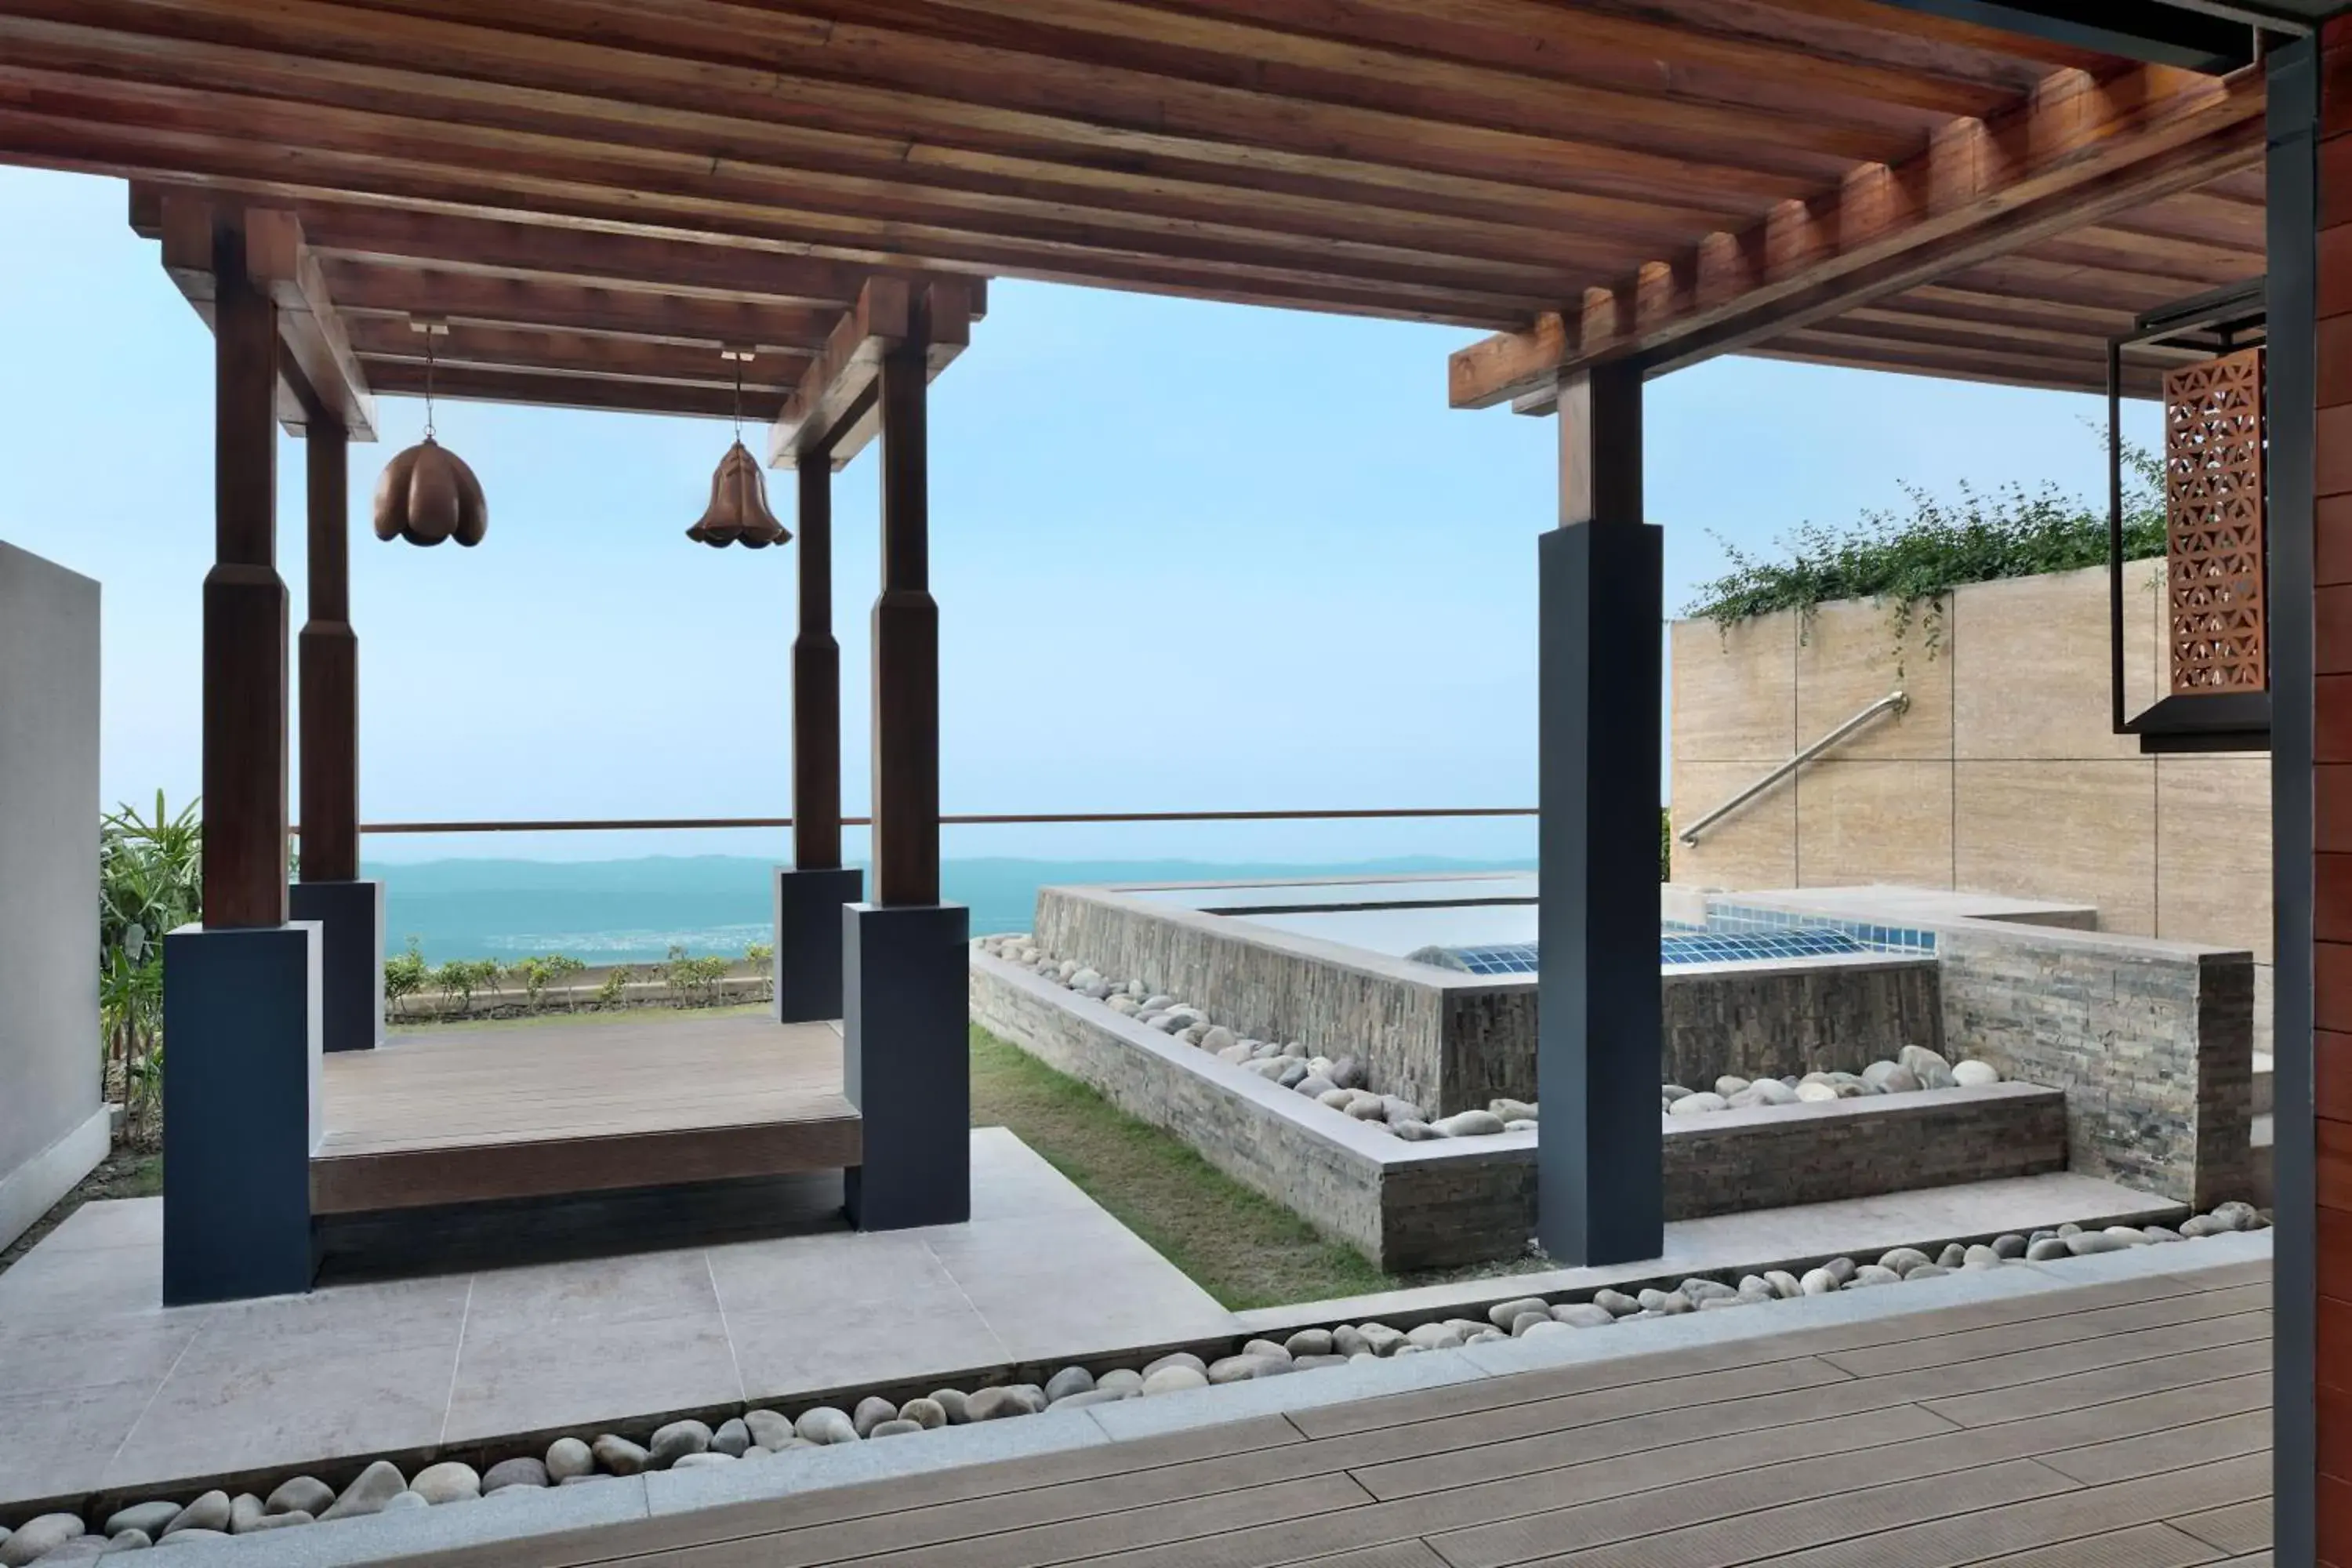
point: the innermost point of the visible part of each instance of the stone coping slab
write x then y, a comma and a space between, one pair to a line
1795, 1239
385, 1537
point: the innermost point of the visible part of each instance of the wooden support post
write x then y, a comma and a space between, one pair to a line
245, 662
906, 782
816, 681
1599, 1180
331, 672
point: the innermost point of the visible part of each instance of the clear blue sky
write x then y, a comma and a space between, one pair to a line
1188, 556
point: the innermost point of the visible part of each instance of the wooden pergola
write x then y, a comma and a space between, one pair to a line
604, 191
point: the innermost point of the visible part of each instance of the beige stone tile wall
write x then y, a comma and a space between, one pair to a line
2004, 775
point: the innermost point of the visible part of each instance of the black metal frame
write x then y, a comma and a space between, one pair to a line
2215, 322
2292, 221
2210, 36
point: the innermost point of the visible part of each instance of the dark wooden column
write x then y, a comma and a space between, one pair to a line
816, 681
245, 662
330, 670
1599, 1184
906, 641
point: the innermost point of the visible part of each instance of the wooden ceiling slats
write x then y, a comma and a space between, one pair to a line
1586, 42
1599, 233
739, 61
1233, 52
598, 192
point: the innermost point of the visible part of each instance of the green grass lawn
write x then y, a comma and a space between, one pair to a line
1241, 1249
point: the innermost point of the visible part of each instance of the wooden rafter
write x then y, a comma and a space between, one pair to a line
2080, 150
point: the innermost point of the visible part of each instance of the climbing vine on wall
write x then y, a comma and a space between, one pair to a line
1911, 561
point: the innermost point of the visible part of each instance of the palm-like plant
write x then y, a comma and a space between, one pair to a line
150, 880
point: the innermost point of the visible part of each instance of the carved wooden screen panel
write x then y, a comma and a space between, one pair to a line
2214, 515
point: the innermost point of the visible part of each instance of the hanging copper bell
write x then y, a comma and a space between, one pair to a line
738, 514
427, 494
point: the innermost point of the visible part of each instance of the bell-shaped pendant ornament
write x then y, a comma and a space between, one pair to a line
427, 494
738, 514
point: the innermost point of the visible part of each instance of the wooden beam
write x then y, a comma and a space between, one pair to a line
466, 297
469, 384
841, 384
315, 339
948, 306
2078, 150
320, 376
768, 381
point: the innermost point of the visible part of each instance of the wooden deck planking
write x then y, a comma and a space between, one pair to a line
467, 1114
2123, 1424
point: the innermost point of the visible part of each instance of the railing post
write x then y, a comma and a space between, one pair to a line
1599, 1178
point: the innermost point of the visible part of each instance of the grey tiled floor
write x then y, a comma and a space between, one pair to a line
102, 1386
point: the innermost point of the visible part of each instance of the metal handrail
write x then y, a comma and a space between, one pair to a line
597, 824
1894, 702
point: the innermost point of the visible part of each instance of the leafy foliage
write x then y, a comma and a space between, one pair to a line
761, 957
459, 978
1914, 560
539, 972
403, 976
1665, 844
616, 984
151, 878
694, 979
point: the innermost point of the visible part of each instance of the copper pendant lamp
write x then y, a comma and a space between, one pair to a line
738, 514
427, 494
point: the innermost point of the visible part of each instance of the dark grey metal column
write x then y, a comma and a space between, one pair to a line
2292, 397
1599, 1185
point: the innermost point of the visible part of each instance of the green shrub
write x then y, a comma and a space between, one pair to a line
541, 971
403, 976
1914, 560
615, 985
761, 957
694, 981
458, 979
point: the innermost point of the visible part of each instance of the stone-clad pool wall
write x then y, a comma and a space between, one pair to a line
1453, 1041
1410, 1205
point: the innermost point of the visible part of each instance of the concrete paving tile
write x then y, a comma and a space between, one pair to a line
236, 1413
610, 1290
377, 1315
60, 1442
800, 1273
924, 1331
581, 1372
110, 1222
73, 1285
48, 1357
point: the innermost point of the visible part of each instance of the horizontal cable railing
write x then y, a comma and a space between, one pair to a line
623, 824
